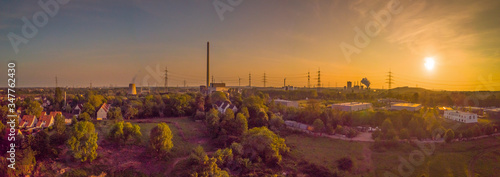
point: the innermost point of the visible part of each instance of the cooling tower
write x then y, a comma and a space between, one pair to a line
131, 89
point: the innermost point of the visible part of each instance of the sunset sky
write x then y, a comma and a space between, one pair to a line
114, 41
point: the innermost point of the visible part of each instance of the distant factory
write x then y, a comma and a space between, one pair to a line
357, 85
212, 87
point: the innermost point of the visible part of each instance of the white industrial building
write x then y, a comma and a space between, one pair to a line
352, 106
465, 117
406, 106
287, 103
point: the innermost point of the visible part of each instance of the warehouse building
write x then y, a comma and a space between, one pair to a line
352, 106
406, 106
287, 103
465, 117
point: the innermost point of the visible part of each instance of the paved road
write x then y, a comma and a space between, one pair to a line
367, 136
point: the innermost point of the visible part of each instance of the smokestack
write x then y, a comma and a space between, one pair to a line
208, 63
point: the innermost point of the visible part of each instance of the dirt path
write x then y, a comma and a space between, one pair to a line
367, 163
172, 166
477, 156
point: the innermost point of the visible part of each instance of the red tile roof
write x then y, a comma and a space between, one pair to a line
28, 120
54, 114
45, 121
105, 106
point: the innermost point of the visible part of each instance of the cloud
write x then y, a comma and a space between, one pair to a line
426, 27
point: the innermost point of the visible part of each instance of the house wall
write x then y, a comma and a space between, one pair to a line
102, 114
461, 116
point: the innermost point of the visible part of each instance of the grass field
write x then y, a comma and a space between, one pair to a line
446, 160
185, 131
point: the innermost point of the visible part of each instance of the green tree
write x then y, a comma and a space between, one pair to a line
121, 132
318, 125
449, 135
131, 112
386, 125
203, 166
89, 109
83, 141
264, 143
116, 132
404, 133
276, 122
261, 120
74, 120
244, 111
34, 108
27, 162
84, 117
60, 124
241, 124
2, 128
115, 113
4, 111
132, 131
218, 97
161, 139
213, 122
41, 145
58, 98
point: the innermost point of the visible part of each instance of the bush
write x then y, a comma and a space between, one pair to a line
76, 173
161, 139
315, 170
449, 136
345, 164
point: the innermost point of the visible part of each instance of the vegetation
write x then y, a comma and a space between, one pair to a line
160, 139
121, 132
254, 141
83, 141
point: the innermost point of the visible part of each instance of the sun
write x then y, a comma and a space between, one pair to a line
429, 63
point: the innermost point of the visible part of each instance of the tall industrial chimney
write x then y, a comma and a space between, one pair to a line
208, 63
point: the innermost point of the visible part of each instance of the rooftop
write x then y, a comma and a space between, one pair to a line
406, 105
351, 104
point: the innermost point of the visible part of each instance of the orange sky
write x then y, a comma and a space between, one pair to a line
112, 42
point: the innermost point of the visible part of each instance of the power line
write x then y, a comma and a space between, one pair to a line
390, 80
265, 80
308, 79
319, 78
166, 79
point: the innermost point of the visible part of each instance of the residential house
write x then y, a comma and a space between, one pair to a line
223, 106
102, 113
78, 109
45, 103
45, 121
28, 121
55, 113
